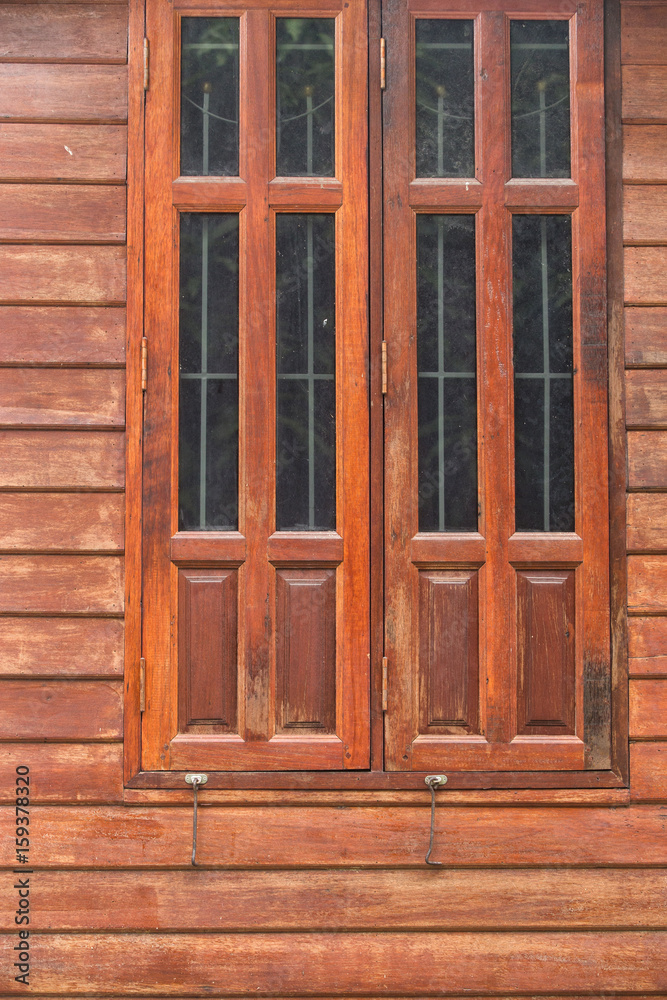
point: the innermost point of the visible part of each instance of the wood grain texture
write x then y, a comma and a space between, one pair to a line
648, 772
89, 275
343, 964
93, 32
311, 900
647, 584
647, 637
646, 336
61, 710
648, 709
62, 93
644, 93
62, 213
646, 275
645, 213
62, 335
266, 837
647, 522
62, 460
646, 399
647, 460
61, 398
61, 522
64, 772
32, 152
61, 584
61, 646
645, 153
644, 33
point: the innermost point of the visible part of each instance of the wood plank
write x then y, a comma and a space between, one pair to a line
93, 32
62, 335
61, 710
644, 33
62, 213
35, 92
31, 152
44, 397
645, 213
645, 153
648, 709
61, 584
645, 275
65, 772
647, 584
645, 94
64, 646
332, 900
646, 398
393, 836
647, 522
646, 336
647, 637
343, 964
61, 522
648, 772
89, 275
62, 460
647, 460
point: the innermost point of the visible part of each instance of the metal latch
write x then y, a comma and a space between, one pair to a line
195, 780
433, 781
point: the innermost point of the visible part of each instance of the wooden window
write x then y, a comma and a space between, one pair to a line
259, 623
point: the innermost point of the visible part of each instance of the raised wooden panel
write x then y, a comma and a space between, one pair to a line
648, 709
44, 397
61, 584
644, 33
207, 616
32, 152
646, 399
545, 651
63, 646
306, 650
647, 584
63, 93
647, 460
89, 275
646, 335
85, 33
62, 213
448, 650
645, 93
61, 522
645, 213
61, 710
64, 772
646, 275
647, 522
648, 772
62, 459
62, 335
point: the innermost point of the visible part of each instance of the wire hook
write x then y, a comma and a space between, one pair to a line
195, 780
433, 781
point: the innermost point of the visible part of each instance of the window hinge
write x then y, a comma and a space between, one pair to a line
144, 363
384, 683
383, 64
384, 367
145, 64
142, 685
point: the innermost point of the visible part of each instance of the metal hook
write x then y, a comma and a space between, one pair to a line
433, 781
195, 780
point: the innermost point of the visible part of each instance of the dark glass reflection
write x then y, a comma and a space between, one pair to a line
208, 392
305, 96
210, 96
447, 386
540, 98
445, 139
543, 400
305, 366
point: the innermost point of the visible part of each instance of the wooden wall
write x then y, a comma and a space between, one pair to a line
302, 894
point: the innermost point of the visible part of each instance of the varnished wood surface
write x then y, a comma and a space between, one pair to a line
62, 459
61, 709
61, 522
61, 584
62, 335
57, 274
645, 214
645, 153
64, 772
62, 213
647, 584
643, 33
61, 93
41, 397
646, 399
60, 647
647, 460
648, 709
646, 275
35, 152
644, 92
648, 762
90, 33
647, 522
646, 336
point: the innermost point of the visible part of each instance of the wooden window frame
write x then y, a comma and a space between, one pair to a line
375, 777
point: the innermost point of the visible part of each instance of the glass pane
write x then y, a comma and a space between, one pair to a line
305, 365
210, 96
543, 400
447, 393
540, 98
208, 404
445, 99
305, 96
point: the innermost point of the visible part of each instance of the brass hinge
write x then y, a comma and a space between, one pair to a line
142, 685
146, 54
384, 367
383, 64
144, 363
384, 683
